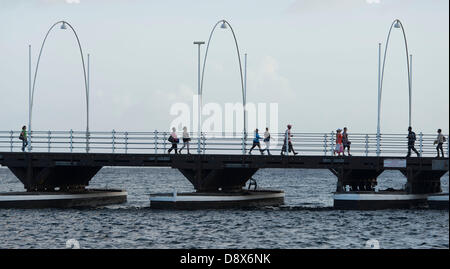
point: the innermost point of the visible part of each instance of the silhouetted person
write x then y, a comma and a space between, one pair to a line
174, 140
411, 141
346, 142
440, 139
24, 137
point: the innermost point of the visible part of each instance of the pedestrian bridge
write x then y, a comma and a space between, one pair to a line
68, 160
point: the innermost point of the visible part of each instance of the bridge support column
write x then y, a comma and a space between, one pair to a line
50, 178
215, 180
356, 179
423, 181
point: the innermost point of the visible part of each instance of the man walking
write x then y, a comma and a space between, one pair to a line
411, 141
24, 137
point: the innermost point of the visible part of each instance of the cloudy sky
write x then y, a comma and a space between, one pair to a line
316, 58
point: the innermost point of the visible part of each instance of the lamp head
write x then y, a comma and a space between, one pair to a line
224, 25
397, 24
63, 26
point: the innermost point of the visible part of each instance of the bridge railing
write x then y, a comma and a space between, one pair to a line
213, 143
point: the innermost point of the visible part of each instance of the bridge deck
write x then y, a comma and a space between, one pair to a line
218, 161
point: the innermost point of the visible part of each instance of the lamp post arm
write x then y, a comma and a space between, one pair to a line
407, 62
239, 58
84, 70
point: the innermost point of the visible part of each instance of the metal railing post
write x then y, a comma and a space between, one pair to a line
113, 140
126, 142
378, 144
49, 138
448, 147
243, 145
87, 141
11, 139
30, 136
367, 145
165, 142
71, 140
156, 141
286, 143
332, 143
325, 142
420, 143
204, 143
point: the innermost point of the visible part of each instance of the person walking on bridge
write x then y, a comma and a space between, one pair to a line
174, 140
256, 143
24, 137
411, 141
186, 140
267, 141
339, 147
288, 141
346, 142
440, 141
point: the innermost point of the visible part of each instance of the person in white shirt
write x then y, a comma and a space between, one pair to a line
267, 141
440, 141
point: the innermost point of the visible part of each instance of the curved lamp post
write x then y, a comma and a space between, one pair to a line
224, 25
398, 25
64, 25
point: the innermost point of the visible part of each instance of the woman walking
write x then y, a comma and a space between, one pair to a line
186, 140
174, 140
339, 147
267, 141
256, 143
288, 140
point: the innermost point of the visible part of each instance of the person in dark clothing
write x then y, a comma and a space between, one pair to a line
24, 137
411, 141
346, 142
174, 140
256, 143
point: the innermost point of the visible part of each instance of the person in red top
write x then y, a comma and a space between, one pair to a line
339, 146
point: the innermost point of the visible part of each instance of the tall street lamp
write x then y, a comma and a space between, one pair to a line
398, 25
32, 86
199, 99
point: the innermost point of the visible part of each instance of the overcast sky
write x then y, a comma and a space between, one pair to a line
316, 58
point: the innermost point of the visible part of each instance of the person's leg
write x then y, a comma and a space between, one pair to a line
442, 150
175, 146
182, 147
23, 145
260, 149
253, 146
348, 150
437, 149
415, 150
291, 148
188, 147
409, 151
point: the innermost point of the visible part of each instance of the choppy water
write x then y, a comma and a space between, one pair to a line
307, 220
